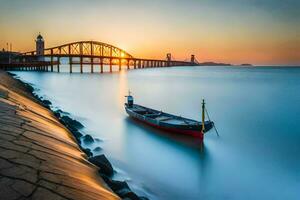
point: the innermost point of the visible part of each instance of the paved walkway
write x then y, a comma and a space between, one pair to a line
39, 158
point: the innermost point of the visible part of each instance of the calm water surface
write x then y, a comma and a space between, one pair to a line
256, 110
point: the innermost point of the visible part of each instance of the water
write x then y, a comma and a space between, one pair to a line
256, 111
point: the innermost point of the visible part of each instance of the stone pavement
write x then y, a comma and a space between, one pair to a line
39, 158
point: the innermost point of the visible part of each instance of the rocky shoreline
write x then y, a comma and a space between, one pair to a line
105, 169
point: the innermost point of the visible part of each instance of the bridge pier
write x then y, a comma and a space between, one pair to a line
101, 65
51, 59
128, 64
58, 62
81, 63
70, 63
110, 65
134, 64
92, 65
120, 64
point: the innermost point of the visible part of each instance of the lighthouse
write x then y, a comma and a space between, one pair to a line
40, 46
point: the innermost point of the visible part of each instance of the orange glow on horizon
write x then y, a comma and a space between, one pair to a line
212, 32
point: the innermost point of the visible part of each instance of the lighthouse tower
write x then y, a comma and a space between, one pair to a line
40, 45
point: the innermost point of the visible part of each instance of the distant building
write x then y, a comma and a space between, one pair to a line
193, 59
169, 57
40, 47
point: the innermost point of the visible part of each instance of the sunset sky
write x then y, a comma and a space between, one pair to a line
263, 32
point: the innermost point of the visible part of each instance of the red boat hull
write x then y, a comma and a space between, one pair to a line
197, 134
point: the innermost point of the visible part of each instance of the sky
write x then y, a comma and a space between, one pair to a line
261, 32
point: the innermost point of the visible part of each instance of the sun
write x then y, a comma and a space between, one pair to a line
122, 54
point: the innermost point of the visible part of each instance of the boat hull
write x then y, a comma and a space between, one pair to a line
193, 128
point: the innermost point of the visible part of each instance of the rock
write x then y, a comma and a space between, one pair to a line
119, 185
98, 149
77, 134
115, 185
63, 112
46, 102
104, 165
71, 122
71, 128
98, 140
78, 141
122, 189
88, 152
11, 74
29, 87
59, 111
125, 193
88, 139
57, 114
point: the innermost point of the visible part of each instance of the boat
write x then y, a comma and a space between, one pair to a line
168, 122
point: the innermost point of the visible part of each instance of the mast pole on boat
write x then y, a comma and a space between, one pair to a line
203, 116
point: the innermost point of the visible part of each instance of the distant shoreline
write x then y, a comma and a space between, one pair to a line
212, 64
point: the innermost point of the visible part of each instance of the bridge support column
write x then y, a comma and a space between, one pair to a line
134, 64
143, 63
128, 64
81, 63
101, 65
58, 63
120, 64
110, 65
140, 63
51, 60
92, 65
70, 63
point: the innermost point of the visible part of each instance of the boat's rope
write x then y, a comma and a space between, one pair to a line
213, 123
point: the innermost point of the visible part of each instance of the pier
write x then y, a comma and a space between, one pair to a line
82, 53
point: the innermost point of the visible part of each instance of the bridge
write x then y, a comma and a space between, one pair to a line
91, 53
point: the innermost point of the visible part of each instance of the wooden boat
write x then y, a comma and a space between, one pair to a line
168, 122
